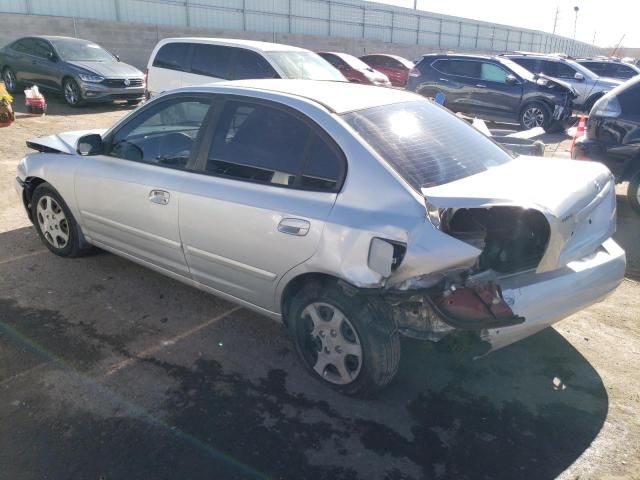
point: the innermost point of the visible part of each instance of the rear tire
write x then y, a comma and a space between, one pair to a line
347, 342
55, 224
10, 80
633, 192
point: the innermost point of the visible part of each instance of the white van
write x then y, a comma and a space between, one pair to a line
181, 62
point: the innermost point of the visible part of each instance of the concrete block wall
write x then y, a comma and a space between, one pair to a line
133, 42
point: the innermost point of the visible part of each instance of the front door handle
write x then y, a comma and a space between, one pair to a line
160, 197
294, 226
479, 85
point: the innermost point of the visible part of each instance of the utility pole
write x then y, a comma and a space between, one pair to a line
555, 20
575, 22
415, 4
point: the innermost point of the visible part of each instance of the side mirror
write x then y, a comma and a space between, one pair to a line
52, 57
511, 79
90, 145
578, 76
117, 57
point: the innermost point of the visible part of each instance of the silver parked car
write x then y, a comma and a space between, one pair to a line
354, 214
589, 86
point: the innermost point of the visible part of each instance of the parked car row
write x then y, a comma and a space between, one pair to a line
613, 136
542, 94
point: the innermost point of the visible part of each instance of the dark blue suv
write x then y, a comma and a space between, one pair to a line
494, 88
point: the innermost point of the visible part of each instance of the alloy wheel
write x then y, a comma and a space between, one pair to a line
533, 117
9, 80
71, 93
52, 222
332, 348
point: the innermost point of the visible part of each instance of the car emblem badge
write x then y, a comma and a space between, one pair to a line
127, 82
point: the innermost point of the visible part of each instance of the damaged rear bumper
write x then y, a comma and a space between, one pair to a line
543, 299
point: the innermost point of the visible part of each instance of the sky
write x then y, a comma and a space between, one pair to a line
608, 20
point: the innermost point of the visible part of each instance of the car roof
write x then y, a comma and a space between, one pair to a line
338, 97
234, 42
460, 55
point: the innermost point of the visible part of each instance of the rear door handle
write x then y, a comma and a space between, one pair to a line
294, 226
160, 197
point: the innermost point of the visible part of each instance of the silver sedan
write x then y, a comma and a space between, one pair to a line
353, 214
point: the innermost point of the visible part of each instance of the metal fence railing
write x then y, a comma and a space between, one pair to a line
334, 18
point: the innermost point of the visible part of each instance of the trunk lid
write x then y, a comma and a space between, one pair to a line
576, 197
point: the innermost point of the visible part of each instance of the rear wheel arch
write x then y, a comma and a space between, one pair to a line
296, 284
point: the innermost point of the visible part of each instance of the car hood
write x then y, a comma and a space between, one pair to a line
561, 83
66, 142
109, 69
576, 197
375, 75
609, 82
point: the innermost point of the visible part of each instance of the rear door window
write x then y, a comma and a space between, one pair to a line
26, 45
248, 64
460, 68
264, 144
174, 56
211, 60
528, 63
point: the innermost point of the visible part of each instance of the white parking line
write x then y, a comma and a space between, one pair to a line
23, 373
165, 343
20, 257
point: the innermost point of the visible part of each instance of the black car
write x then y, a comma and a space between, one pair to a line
610, 68
613, 136
79, 69
494, 88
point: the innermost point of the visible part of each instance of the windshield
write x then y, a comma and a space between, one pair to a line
517, 69
78, 51
353, 62
425, 143
305, 65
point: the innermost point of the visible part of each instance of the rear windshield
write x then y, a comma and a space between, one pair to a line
425, 143
305, 65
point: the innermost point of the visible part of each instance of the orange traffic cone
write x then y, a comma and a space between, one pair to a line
580, 131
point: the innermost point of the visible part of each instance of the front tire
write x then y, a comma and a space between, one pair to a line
55, 224
347, 342
71, 92
10, 80
633, 192
535, 114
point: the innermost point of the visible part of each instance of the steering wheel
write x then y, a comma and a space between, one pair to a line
176, 148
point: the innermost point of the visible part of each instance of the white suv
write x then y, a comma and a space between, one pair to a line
181, 62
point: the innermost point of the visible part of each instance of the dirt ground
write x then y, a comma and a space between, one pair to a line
111, 371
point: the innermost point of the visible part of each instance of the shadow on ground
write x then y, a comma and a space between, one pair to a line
57, 106
232, 401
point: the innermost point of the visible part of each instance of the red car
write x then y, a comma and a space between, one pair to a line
354, 69
394, 67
